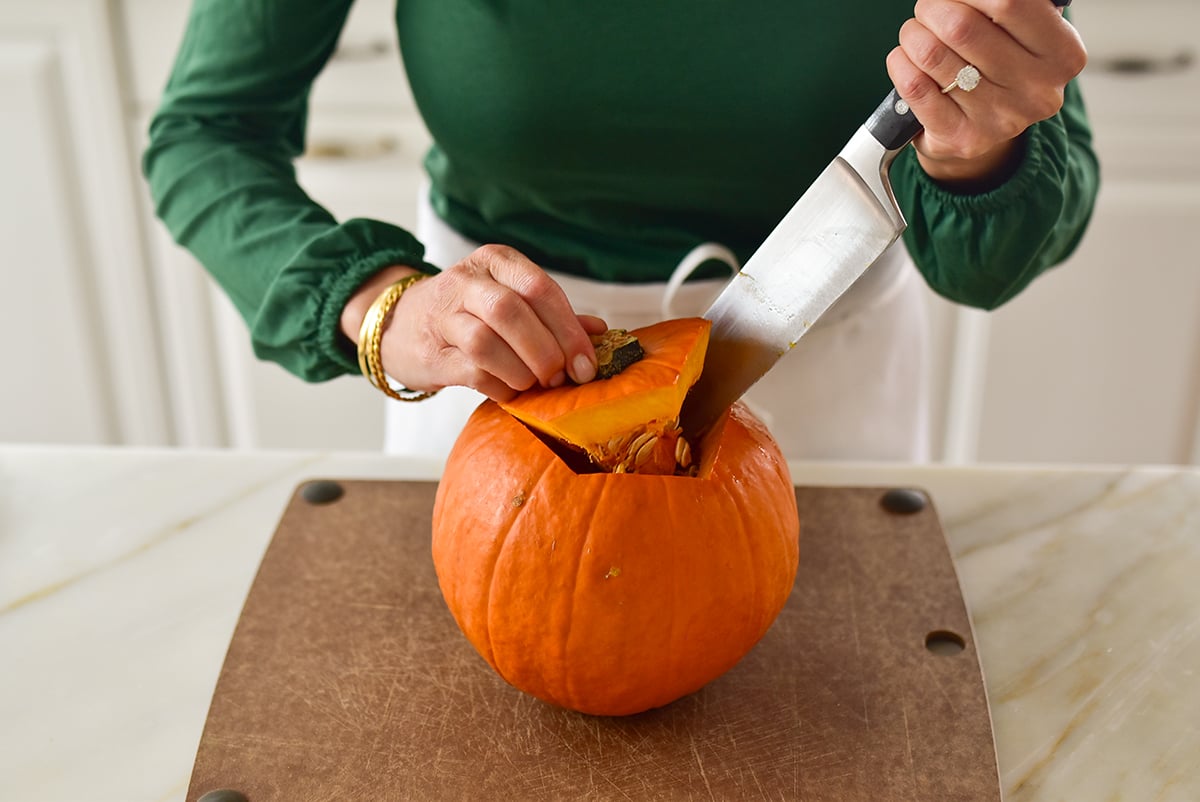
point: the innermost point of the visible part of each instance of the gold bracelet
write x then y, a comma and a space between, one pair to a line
370, 339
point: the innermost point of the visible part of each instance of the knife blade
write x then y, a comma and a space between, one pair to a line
833, 233
840, 226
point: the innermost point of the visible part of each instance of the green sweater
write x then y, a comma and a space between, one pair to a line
601, 139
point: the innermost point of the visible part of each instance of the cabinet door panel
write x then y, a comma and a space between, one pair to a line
56, 388
79, 327
1099, 361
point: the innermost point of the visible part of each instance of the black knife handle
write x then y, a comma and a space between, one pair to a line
894, 125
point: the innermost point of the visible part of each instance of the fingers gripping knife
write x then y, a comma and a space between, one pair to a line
838, 228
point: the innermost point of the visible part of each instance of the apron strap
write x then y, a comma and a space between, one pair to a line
705, 252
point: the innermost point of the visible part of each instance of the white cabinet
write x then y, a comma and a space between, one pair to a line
77, 331
1099, 360
365, 144
112, 333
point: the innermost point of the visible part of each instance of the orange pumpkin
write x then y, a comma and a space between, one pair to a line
612, 593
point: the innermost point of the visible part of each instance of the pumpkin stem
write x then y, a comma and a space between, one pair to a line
616, 349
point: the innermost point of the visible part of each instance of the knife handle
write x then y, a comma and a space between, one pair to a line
894, 125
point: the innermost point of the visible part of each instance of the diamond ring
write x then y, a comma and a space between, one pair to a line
967, 79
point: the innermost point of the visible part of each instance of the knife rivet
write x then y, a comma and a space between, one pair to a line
321, 491
904, 501
901, 107
224, 795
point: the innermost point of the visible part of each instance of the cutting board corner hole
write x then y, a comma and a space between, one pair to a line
904, 500
945, 643
321, 491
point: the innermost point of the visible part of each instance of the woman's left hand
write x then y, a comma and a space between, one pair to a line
1026, 53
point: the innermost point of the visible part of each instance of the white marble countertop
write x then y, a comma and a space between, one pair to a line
122, 574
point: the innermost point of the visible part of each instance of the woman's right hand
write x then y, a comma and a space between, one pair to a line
495, 322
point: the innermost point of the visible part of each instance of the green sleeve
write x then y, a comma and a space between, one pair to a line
219, 165
981, 250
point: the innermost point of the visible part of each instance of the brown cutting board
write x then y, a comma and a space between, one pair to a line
347, 679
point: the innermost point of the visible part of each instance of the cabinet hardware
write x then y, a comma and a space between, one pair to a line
1140, 64
352, 149
357, 52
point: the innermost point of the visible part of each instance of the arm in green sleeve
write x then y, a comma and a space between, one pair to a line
981, 250
219, 165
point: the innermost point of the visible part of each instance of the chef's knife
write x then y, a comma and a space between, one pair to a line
838, 228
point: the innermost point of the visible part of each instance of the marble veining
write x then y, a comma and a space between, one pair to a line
122, 573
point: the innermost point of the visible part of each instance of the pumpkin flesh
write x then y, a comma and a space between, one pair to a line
603, 418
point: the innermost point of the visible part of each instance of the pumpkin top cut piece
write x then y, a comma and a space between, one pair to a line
647, 392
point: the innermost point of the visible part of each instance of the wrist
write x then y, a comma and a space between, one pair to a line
978, 175
361, 299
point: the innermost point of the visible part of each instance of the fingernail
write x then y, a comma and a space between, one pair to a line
558, 379
584, 370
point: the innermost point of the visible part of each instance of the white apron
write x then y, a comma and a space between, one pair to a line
855, 387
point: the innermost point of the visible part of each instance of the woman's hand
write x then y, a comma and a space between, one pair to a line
495, 322
1026, 53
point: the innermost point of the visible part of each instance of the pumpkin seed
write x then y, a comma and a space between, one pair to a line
641, 440
643, 454
683, 452
617, 444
